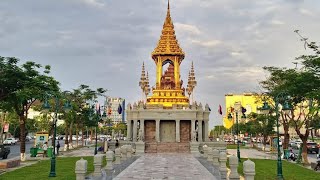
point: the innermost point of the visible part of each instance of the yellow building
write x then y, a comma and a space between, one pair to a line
246, 100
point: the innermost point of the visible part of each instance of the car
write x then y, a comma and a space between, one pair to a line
312, 147
10, 141
4, 151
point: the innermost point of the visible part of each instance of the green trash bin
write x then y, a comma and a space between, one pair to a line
33, 151
50, 152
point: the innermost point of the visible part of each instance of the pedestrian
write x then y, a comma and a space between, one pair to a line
45, 148
58, 147
117, 143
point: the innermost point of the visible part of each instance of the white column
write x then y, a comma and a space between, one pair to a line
177, 130
193, 127
135, 127
199, 130
158, 130
142, 128
129, 130
206, 131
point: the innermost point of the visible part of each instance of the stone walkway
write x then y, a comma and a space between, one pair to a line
166, 166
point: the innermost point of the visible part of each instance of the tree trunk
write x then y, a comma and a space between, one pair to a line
77, 135
285, 144
22, 137
304, 150
66, 142
70, 133
265, 137
82, 136
91, 132
312, 133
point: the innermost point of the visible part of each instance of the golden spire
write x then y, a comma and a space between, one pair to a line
147, 87
168, 43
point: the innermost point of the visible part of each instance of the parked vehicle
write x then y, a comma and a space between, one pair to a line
312, 147
10, 141
4, 151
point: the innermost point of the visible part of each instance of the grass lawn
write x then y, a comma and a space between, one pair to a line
65, 167
234, 146
267, 170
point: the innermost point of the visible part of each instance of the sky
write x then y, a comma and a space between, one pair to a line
103, 43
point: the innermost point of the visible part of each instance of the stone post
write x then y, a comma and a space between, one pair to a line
206, 134
109, 158
215, 156
200, 130
129, 151
81, 169
223, 167
123, 153
118, 156
205, 151
177, 130
135, 130
158, 130
249, 170
233, 163
210, 151
97, 163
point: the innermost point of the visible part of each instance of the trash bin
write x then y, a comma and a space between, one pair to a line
33, 151
286, 153
243, 143
50, 152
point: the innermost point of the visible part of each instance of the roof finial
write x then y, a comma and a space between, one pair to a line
168, 5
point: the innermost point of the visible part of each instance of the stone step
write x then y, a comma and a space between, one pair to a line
167, 147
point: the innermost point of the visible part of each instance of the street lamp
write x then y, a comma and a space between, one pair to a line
98, 116
46, 107
237, 107
265, 109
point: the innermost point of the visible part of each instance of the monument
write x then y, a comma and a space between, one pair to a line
169, 120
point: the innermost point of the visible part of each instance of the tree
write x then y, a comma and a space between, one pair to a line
303, 88
29, 85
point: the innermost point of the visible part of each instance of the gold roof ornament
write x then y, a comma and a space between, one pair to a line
168, 43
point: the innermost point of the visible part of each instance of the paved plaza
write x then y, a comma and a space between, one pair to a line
166, 166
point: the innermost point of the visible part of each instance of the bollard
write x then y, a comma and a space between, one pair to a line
129, 151
205, 151
81, 169
210, 158
249, 170
223, 167
97, 163
233, 163
118, 156
215, 156
123, 153
109, 158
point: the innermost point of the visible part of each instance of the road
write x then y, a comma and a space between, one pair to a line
15, 149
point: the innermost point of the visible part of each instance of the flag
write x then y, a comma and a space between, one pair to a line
109, 111
243, 110
119, 109
220, 110
209, 108
228, 123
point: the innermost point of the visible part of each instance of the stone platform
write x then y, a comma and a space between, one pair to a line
166, 166
9, 163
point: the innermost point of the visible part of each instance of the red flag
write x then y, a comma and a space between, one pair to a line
220, 110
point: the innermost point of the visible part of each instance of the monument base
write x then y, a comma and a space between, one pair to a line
194, 149
140, 147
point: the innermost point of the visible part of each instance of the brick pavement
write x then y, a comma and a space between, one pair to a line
166, 166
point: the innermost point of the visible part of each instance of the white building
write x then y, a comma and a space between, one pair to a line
112, 105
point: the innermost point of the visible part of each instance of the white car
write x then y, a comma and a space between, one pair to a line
10, 141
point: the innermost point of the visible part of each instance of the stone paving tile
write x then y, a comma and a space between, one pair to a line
166, 166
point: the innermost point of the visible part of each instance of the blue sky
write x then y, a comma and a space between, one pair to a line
103, 43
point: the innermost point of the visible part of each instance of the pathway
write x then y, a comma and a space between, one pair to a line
166, 166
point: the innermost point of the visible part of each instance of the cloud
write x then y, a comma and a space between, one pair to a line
187, 28
95, 3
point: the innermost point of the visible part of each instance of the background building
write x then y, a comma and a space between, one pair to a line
112, 105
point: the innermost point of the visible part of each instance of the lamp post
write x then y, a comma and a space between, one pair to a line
98, 116
46, 106
265, 109
237, 107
